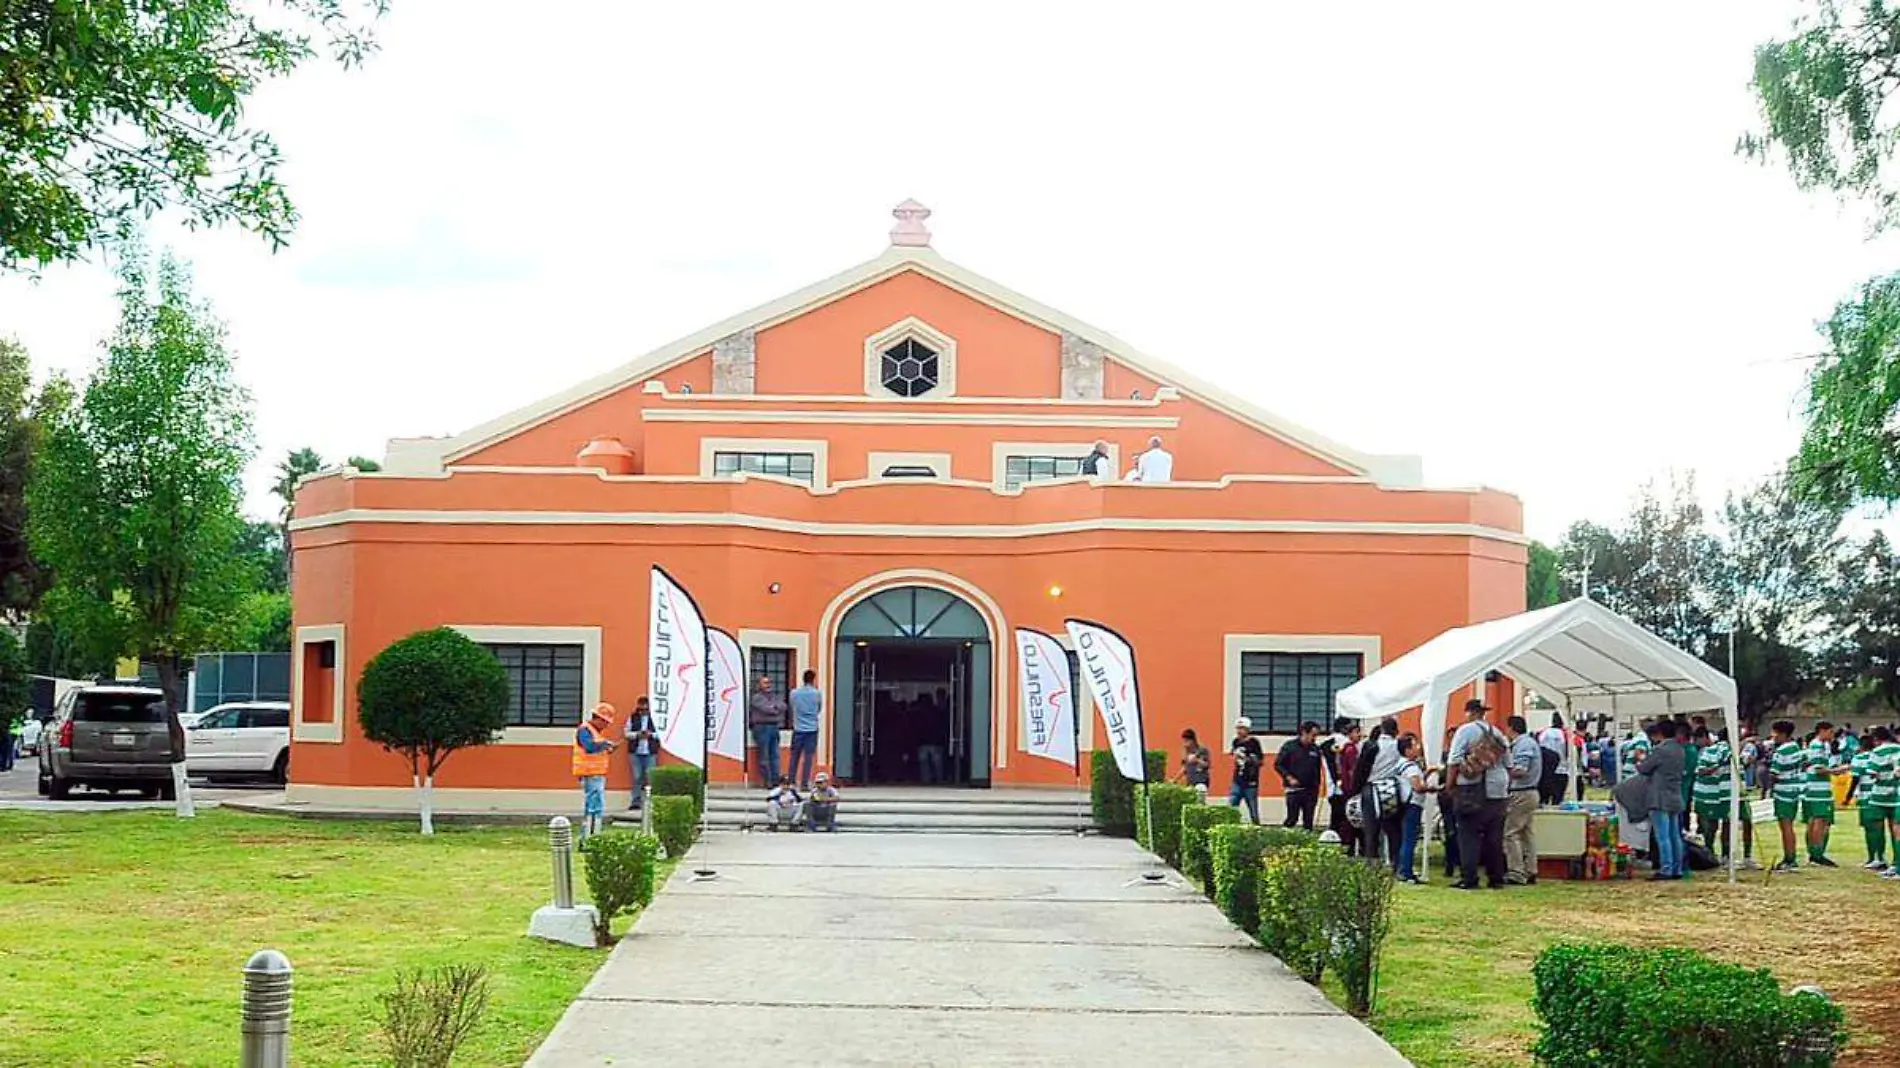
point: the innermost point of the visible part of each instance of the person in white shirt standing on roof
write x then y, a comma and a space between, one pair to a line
1154, 465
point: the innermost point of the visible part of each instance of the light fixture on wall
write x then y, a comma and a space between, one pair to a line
1055, 591
773, 588
1134, 394
862, 644
686, 387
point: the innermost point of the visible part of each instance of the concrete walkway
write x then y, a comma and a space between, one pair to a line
874, 949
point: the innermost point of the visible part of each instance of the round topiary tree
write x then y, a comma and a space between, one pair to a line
428, 695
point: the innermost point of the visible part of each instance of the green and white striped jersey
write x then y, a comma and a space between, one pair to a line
1712, 775
1630, 754
1883, 768
1822, 763
1789, 764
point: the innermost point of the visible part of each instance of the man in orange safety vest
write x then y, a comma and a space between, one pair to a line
591, 750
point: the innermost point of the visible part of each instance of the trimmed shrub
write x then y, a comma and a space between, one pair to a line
1165, 801
1609, 1004
1113, 797
1357, 898
1321, 909
1196, 820
676, 780
676, 823
1237, 849
619, 866
1292, 916
427, 1015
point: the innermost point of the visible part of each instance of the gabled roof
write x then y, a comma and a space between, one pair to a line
895, 260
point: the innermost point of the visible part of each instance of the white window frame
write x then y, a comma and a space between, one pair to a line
799, 642
820, 451
1001, 451
1367, 646
588, 638
301, 731
910, 328
938, 462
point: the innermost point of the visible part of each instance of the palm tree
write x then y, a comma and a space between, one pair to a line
297, 464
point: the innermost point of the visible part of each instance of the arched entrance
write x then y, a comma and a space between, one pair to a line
911, 691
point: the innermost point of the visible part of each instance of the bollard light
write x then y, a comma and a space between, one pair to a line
561, 847
266, 1016
646, 809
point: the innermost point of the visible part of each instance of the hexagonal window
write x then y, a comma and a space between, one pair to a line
909, 369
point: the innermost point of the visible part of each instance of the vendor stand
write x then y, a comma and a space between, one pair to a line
1579, 654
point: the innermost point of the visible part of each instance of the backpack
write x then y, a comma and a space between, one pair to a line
1485, 753
1383, 797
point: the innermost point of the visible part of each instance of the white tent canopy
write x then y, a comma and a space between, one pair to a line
1579, 654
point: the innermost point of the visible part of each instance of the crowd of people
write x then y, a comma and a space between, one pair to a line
1672, 780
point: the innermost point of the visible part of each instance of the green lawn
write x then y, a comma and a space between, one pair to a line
126, 932
1456, 987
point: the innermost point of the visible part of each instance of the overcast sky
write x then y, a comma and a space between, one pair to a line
1512, 238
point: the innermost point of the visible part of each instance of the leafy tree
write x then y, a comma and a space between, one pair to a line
16, 688
1850, 445
52, 649
135, 490
21, 580
1862, 612
1822, 93
264, 623
1543, 586
113, 109
262, 546
363, 463
428, 695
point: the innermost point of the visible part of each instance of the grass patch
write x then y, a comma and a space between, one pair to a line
128, 929
1456, 985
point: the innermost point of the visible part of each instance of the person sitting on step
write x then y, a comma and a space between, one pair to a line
783, 807
821, 807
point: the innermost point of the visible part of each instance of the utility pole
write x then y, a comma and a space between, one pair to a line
1582, 574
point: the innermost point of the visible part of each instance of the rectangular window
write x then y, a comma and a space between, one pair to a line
775, 664
544, 683
794, 465
1020, 470
1279, 691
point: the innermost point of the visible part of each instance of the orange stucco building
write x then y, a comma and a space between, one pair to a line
876, 478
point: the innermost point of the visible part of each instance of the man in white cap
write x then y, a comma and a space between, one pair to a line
1245, 749
821, 808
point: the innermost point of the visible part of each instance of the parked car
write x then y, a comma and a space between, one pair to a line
30, 732
108, 737
246, 739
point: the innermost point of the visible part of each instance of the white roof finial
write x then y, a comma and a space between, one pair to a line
910, 230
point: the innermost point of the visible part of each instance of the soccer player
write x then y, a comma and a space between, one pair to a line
1787, 766
1873, 818
1713, 789
1883, 791
1817, 803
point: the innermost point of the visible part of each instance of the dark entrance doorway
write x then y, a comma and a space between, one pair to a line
911, 695
913, 713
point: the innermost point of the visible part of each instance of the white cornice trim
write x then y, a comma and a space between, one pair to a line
1116, 422
901, 530
852, 398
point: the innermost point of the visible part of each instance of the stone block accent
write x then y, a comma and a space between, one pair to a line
1081, 369
735, 362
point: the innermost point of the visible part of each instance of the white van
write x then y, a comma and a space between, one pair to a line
245, 739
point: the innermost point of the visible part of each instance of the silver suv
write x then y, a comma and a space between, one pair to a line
108, 737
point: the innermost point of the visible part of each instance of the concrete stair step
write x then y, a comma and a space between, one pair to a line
852, 819
1070, 812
